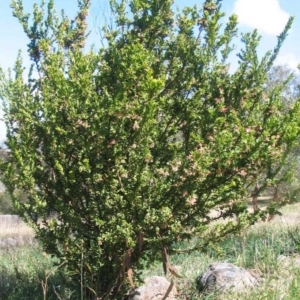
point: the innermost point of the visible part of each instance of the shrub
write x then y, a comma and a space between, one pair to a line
133, 145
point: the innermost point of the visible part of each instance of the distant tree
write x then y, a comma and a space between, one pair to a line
288, 189
133, 146
278, 75
6, 206
6, 203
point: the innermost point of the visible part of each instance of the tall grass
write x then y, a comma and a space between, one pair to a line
268, 250
26, 272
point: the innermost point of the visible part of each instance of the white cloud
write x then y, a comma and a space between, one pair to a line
288, 59
264, 15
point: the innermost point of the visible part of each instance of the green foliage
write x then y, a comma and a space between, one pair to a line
28, 274
132, 146
6, 206
287, 189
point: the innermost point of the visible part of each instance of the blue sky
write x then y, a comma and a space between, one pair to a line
268, 16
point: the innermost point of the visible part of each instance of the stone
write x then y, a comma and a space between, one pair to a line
155, 288
224, 276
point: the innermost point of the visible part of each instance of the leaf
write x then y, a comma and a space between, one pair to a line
243, 173
59, 167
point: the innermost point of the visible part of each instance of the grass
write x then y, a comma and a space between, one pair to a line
269, 250
26, 272
12, 227
23, 274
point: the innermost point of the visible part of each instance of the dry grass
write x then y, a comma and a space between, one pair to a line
14, 232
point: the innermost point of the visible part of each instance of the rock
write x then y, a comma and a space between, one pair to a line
155, 288
225, 276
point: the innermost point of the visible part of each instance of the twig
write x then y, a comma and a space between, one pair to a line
168, 290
